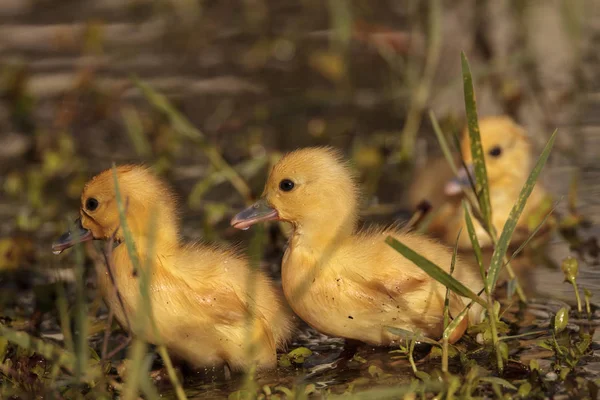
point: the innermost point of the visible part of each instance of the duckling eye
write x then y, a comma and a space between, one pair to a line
286, 185
91, 204
495, 151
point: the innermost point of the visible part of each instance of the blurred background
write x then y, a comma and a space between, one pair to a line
256, 78
211, 93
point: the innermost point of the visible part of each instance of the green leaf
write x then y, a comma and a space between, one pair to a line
299, 355
456, 321
561, 319
434, 271
498, 381
515, 213
481, 184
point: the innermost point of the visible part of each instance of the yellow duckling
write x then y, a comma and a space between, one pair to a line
209, 306
345, 282
507, 154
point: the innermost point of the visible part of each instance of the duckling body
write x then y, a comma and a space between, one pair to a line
367, 286
345, 282
507, 153
203, 297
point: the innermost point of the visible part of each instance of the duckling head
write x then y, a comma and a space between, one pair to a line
311, 188
506, 150
148, 202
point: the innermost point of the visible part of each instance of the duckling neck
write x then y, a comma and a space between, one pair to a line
319, 237
123, 276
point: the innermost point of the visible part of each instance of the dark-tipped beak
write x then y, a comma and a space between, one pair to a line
456, 184
257, 212
76, 235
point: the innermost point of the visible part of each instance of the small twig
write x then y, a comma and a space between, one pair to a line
411, 359
119, 348
107, 253
109, 320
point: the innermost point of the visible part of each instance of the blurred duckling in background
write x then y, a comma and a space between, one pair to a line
507, 154
209, 306
341, 281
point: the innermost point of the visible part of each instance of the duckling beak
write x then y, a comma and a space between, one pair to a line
68, 239
455, 185
257, 212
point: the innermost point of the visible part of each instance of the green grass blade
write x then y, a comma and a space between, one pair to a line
532, 235
185, 128
434, 271
474, 242
63, 313
515, 213
138, 350
445, 335
144, 318
498, 381
136, 354
135, 129
179, 392
81, 320
131, 250
447, 296
443, 142
481, 182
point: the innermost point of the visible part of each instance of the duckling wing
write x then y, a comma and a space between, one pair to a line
402, 294
219, 283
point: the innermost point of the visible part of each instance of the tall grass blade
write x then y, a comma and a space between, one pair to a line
135, 129
129, 243
255, 252
184, 127
63, 313
443, 142
422, 91
146, 385
144, 315
179, 392
138, 349
434, 271
458, 148
515, 213
447, 309
81, 321
475, 243
533, 233
136, 355
481, 182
